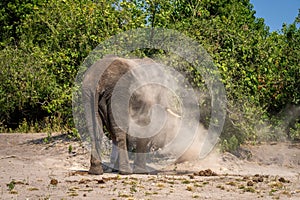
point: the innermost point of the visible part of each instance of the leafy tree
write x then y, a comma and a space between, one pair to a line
44, 42
59, 34
12, 13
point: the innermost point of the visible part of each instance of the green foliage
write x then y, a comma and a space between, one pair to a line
11, 185
230, 144
12, 12
260, 70
70, 148
48, 138
27, 90
53, 40
295, 132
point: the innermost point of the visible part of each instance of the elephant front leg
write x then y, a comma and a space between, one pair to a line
140, 159
124, 166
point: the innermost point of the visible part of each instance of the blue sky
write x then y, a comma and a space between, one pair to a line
276, 12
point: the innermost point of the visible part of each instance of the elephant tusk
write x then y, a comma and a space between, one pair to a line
172, 113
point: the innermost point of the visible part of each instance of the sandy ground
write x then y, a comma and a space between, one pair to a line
30, 168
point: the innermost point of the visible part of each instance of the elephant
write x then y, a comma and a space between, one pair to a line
100, 83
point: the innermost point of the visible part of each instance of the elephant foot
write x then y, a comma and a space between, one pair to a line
96, 170
96, 166
125, 171
140, 170
110, 169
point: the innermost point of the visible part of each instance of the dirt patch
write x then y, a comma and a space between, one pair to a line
35, 167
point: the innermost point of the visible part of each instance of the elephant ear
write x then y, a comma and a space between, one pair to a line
115, 84
113, 73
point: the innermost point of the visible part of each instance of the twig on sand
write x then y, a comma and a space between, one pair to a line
7, 157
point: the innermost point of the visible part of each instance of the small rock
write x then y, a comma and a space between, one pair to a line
275, 184
54, 182
250, 183
13, 192
283, 180
84, 181
207, 172
101, 181
190, 188
191, 176
258, 179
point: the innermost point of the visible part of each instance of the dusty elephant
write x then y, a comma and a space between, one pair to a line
98, 87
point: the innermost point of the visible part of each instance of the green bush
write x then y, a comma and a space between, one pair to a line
230, 144
295, 132
28, 91
53, 40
